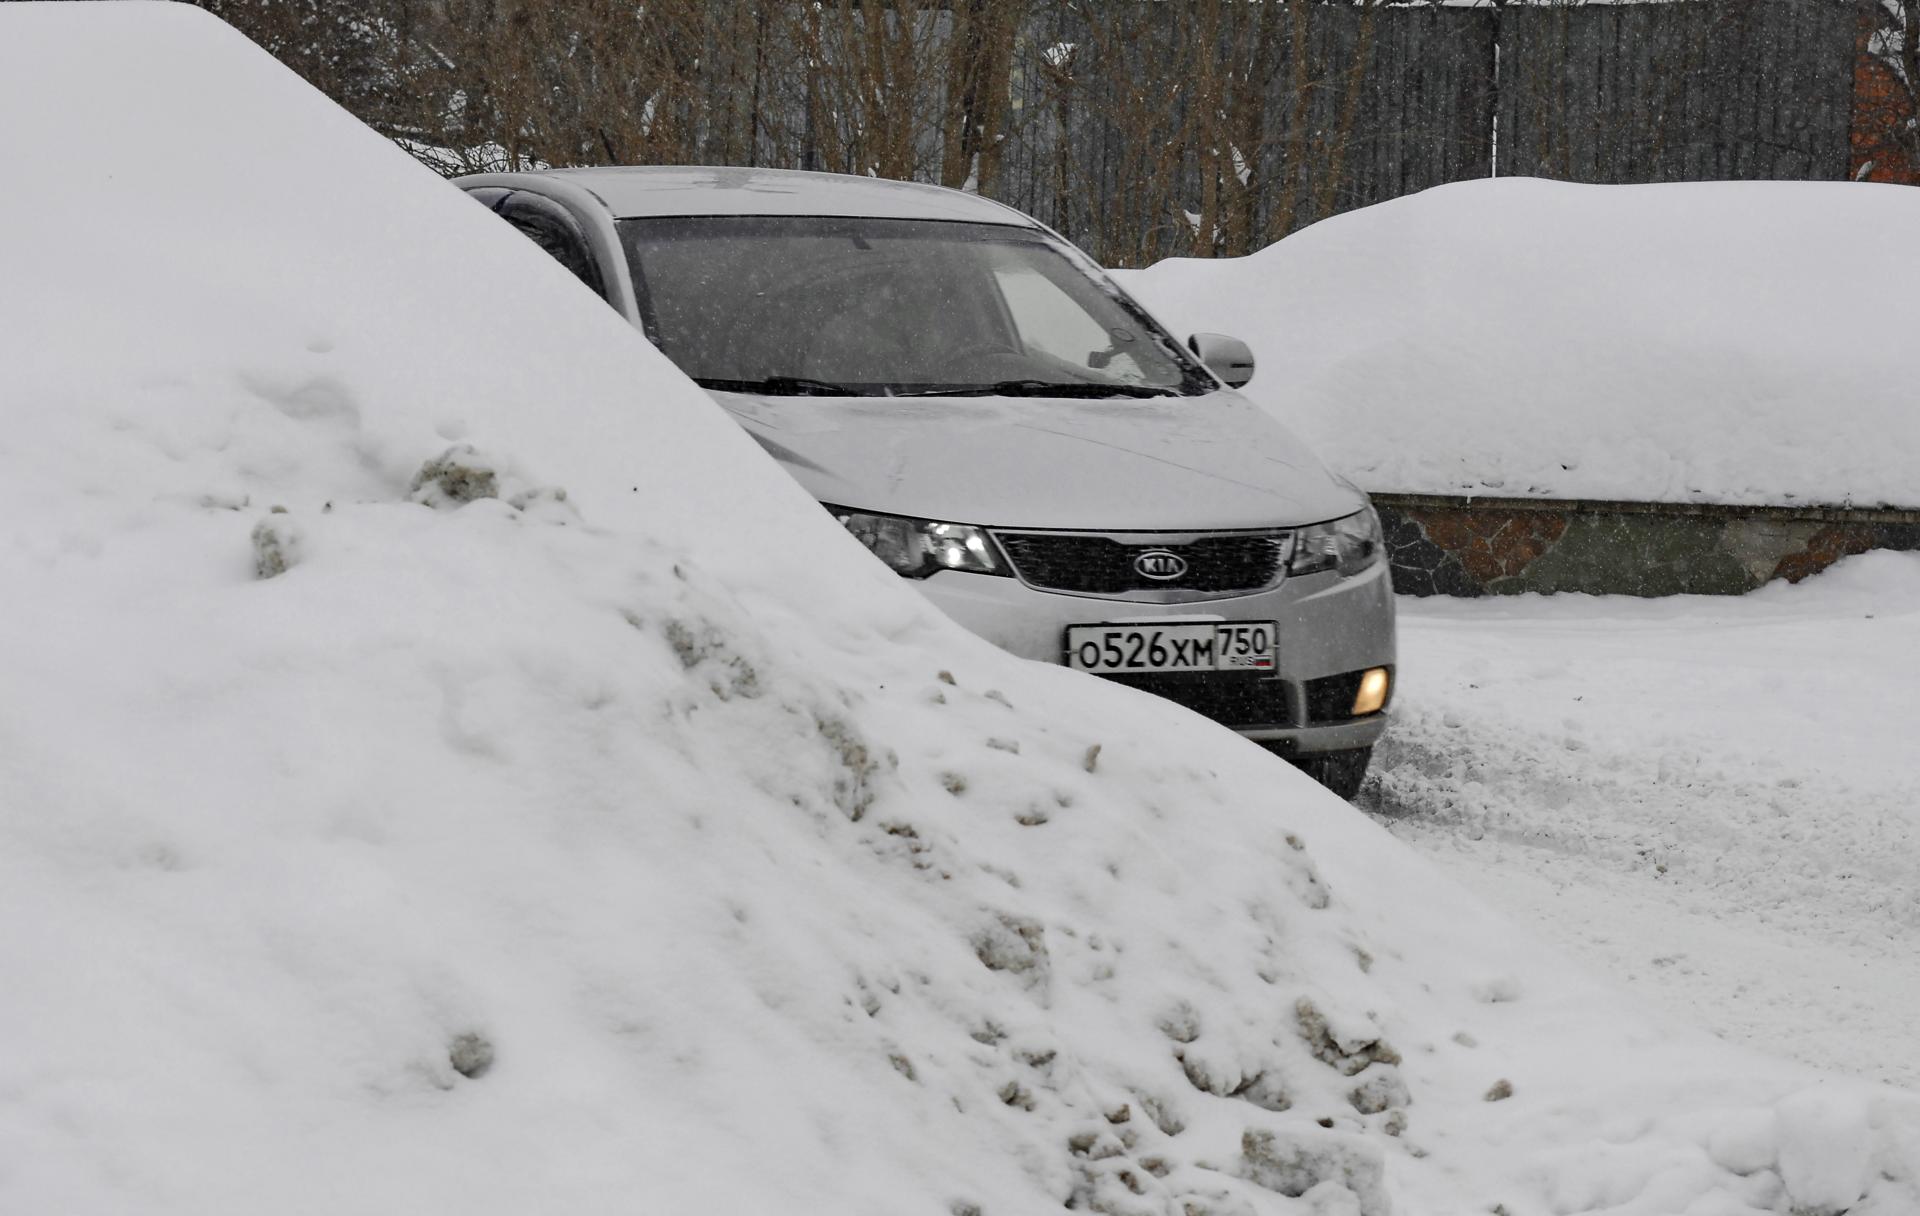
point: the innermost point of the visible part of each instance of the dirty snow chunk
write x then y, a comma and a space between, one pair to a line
465, 473
704, 646
458, 475
1014, 944
1381, 1088
1339, 1041
853, 785
1181, 1023
276, 544
470, 1054
1212, 1069
1296, 1162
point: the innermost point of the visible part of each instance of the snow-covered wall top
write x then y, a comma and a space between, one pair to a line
441, 842
1726, 342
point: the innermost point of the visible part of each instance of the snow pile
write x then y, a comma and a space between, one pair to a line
447, 767
1725, 342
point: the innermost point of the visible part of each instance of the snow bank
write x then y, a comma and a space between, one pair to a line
445, 766
1725, 342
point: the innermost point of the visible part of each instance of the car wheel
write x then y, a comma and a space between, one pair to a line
1341, 772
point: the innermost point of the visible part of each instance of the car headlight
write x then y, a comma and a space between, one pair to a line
919, 547
1347, 545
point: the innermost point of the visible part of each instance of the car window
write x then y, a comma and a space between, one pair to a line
550, 226
1049, 320
878, 306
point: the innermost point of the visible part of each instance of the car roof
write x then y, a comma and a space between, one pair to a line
673, 190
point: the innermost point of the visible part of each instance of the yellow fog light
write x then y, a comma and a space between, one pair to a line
1373, 692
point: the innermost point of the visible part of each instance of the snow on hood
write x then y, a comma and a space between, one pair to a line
446, 767
1726, 342
1142, 464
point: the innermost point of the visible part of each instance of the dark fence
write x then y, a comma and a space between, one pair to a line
1140, 128
1315, 109
1374, 103
1678, 92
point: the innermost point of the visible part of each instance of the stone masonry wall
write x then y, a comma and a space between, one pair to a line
1467, 547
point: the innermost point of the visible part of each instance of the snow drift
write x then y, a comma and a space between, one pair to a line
1723, 342
445, 766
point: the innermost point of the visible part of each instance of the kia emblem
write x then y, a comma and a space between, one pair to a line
1160, 565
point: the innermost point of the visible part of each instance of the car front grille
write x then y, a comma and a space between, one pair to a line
1229, 699
1086, 563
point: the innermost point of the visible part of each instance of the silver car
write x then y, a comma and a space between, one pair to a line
998, 422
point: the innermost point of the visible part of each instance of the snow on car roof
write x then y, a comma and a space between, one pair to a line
659, 190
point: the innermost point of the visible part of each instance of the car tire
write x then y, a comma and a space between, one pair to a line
1340, 772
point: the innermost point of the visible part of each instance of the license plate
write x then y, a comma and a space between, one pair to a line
1224, 646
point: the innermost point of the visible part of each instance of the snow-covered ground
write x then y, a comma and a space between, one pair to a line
445, 766
1730, 342
1715, 800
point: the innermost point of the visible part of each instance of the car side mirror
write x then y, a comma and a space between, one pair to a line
1228, 358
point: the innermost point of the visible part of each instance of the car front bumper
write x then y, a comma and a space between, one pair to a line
1328, 626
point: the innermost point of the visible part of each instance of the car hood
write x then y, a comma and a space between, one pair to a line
1152, 464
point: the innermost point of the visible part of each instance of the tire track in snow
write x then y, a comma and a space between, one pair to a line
1760, 896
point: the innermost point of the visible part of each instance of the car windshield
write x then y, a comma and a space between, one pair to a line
793, 305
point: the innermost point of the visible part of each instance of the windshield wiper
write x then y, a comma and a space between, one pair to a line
782, 386
1043, 388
